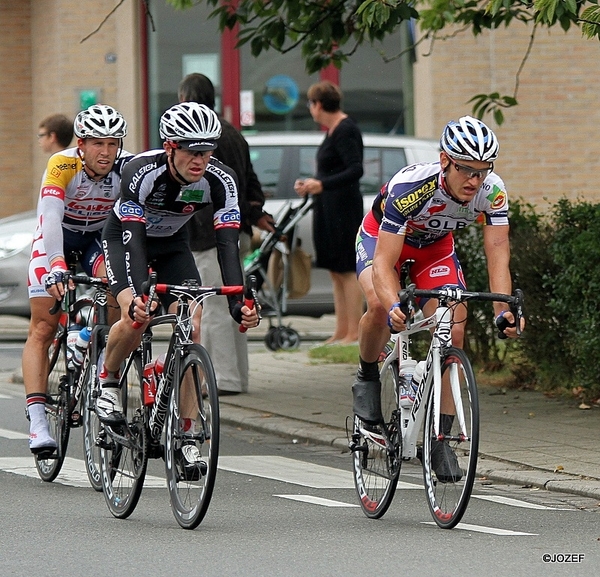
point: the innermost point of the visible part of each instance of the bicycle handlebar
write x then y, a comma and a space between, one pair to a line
150, 288
78, 279
408, 296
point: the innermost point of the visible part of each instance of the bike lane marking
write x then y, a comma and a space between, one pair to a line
483, 529
71, 474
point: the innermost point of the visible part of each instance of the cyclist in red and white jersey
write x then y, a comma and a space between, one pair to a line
79, 188
413, 217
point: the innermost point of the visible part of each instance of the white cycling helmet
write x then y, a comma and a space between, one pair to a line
469, 139
191, 126
100, 121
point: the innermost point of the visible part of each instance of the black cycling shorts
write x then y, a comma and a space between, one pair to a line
170, 257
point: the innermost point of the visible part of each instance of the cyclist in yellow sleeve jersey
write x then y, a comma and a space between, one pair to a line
79, 188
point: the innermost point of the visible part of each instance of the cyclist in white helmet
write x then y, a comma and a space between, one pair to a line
413, 217
160, 191
79, 188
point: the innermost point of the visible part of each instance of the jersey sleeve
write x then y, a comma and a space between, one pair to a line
496, 209
130, 211
60, 170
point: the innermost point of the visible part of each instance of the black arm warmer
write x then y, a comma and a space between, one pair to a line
228, 254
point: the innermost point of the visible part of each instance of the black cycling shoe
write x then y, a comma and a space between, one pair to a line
445, 463
366, 402
190, 466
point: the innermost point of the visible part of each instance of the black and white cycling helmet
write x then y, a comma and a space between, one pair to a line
100, 121
191, 126
469, 139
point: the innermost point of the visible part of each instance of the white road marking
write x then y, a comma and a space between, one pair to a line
316, 500
13, 434
482, 529
288, 471
517, 503
72, 472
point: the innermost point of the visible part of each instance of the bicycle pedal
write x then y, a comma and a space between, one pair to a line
355, 447
46, 455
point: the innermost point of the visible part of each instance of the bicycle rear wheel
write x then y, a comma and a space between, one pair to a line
191, 455
376, 456
57, 407
448, 492
124, 457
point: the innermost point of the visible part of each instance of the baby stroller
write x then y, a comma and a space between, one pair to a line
274, 288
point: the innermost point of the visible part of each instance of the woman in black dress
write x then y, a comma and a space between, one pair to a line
338, 205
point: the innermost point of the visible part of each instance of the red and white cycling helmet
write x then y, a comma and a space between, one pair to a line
469, 139
100, 121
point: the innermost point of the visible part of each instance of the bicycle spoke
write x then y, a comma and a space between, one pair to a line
449, 462
125, 456
192, 438
57, 409
376, 451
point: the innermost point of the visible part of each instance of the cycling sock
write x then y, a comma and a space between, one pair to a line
36, 406
367, 371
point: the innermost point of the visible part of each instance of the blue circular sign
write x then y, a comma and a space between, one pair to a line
281, 94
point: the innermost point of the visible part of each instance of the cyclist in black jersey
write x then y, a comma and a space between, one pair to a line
160, 191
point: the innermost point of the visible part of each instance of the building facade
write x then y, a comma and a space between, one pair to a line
55, 59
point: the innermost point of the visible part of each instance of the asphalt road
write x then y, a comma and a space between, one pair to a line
279, 509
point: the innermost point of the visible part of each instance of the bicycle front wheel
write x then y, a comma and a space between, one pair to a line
192, 437
376, 453
91, 423
57, 407
450, 460
124, 455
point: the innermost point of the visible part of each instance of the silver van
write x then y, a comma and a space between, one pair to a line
279, 158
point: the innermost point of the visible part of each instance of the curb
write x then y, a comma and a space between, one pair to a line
488, 467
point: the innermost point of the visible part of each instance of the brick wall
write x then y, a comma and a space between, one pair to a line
549, 143
45, 66
15, 107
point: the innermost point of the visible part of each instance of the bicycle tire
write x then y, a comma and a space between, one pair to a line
57, 407
191, 487
92, 428
124, 456
377, 463
448, 497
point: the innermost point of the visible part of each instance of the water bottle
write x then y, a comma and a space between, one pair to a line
407, 396
417, 376
149, 384
81, 344
152, 374
159, 366
72, 334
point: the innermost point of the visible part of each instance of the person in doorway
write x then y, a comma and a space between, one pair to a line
55, 133
228, 348
338, 205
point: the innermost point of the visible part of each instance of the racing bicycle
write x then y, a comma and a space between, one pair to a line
179, 417
67, 397
378, 452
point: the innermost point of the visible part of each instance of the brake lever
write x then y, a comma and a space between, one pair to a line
251, 300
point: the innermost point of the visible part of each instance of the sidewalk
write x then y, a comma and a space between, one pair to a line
526, 437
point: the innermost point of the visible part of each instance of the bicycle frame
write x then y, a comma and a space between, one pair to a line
411, 419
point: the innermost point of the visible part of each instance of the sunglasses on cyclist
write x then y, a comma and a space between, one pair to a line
471, 172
